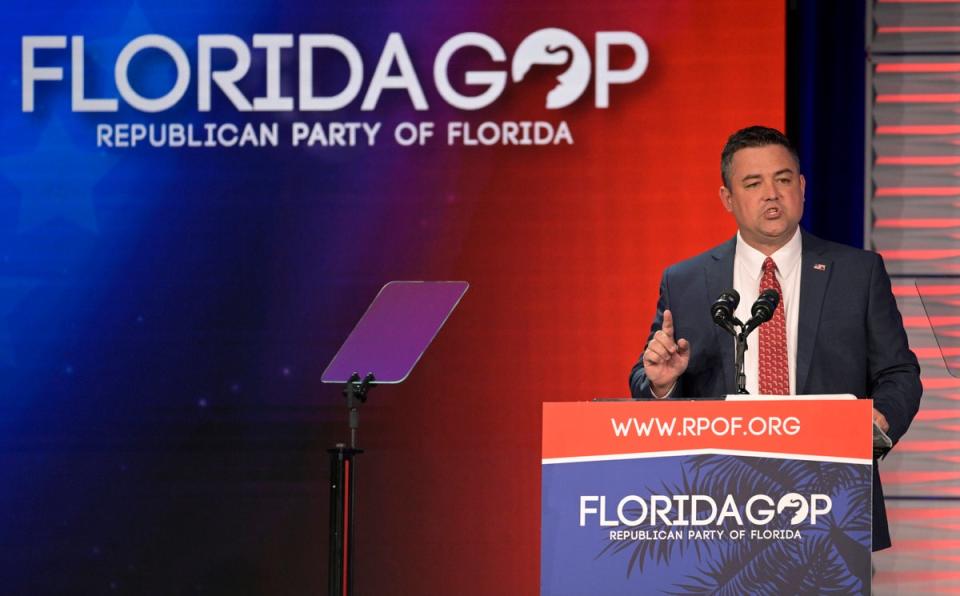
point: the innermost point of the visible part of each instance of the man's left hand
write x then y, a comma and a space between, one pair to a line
881, 421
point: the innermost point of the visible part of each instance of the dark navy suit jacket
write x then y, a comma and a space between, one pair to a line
850, 337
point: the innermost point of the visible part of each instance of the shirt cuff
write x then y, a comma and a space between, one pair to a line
665, 395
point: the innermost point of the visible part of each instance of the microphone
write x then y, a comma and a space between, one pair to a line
766, 303
763, 309
723, 308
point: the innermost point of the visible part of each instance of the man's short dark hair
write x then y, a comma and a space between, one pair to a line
752, 136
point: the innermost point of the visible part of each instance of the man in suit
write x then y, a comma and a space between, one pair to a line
837, 328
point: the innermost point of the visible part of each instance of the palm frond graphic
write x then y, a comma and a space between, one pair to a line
831, 558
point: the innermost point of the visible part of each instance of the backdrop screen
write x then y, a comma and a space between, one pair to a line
198, 200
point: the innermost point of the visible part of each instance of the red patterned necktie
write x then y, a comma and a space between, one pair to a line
774, 370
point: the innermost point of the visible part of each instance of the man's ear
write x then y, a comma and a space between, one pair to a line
727, 199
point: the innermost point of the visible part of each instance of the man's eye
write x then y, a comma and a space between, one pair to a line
752, 184
785, 180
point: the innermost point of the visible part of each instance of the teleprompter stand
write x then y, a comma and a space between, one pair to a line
388, 340
342, 490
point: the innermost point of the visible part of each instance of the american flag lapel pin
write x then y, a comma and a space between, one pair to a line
820, 267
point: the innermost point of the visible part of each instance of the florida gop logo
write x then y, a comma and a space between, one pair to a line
49, 60
702, 510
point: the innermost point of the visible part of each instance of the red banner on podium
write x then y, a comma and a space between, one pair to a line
806, 429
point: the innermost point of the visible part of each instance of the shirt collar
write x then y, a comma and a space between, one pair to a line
787, 256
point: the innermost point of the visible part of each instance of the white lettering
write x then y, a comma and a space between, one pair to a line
78, 102
394, 52
311, 102
273, 101
604, 76
170, 47
766, 515
621, 514
226, 80
30, 73
495, 81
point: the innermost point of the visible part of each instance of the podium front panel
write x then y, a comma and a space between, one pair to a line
694, 497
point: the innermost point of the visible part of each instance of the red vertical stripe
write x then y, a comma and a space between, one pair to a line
919, 160
918, 191
920, 67
920, 29
918, 129
945, 222
919, 97
346, 524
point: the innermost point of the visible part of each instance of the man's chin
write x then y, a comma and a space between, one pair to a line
777, 237
782, 230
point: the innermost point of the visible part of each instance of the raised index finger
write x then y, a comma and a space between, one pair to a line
668, 323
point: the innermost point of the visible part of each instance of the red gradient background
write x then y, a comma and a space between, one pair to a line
563, 247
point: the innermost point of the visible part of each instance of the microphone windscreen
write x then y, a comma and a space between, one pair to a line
765, 305
723, 308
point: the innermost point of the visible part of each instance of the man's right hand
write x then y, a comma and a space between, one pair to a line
665, 360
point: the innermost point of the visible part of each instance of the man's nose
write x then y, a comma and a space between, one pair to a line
770, 191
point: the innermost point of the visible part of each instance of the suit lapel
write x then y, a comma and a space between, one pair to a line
719, 278
814, 276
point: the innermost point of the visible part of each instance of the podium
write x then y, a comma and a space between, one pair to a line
706, 497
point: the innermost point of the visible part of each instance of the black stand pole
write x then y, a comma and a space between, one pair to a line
341, 519
738, 359
730, 325
342, 491
739, 362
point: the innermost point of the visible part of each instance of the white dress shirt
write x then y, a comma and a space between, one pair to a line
747, 271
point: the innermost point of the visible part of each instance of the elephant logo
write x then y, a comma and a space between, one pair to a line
555, 47
794, 501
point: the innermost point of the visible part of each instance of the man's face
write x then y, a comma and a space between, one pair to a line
765, 196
